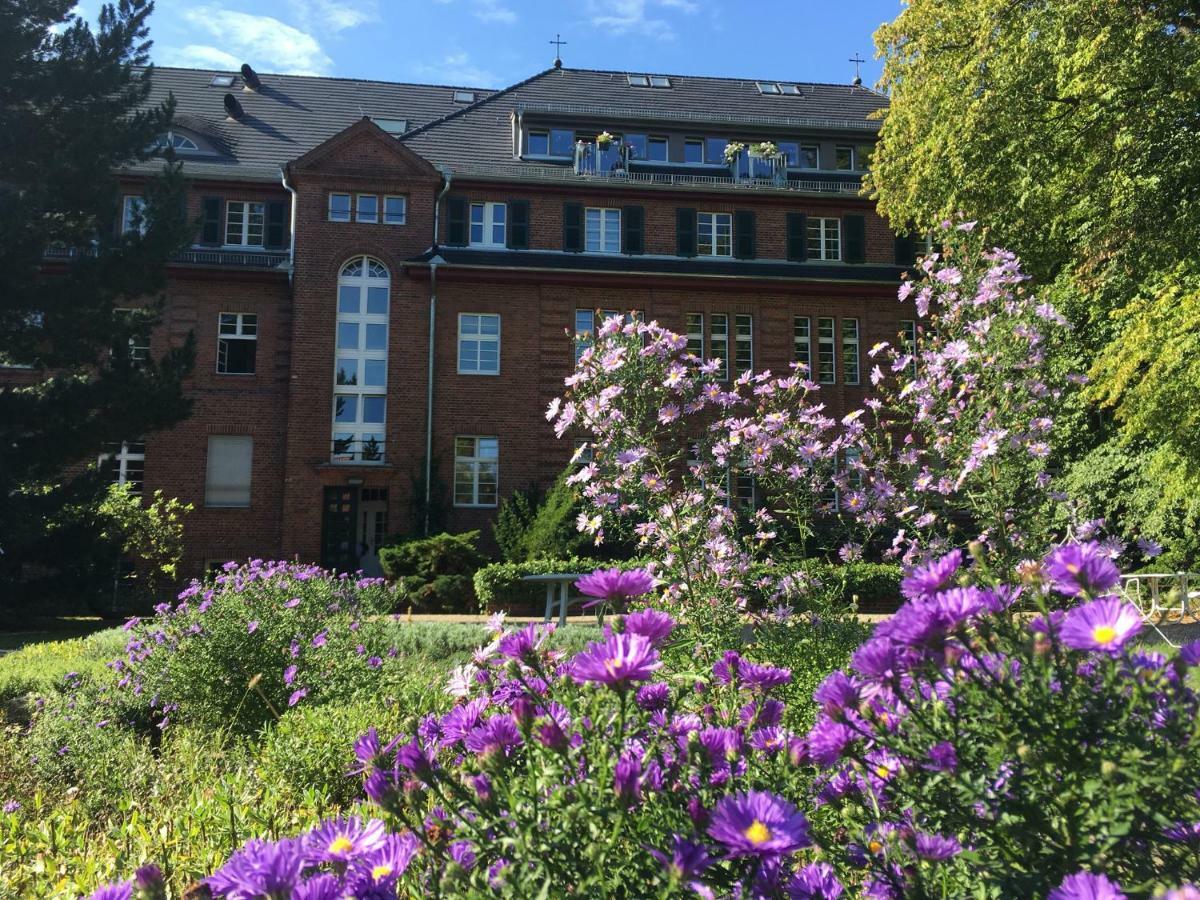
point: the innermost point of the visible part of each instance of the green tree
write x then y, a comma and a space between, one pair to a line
1071, 128
73, 111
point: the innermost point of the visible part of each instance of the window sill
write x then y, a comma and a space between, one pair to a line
236, 374
226, 505
484, 374
475, 505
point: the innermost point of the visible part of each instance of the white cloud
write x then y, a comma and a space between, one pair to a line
264, 42
494, 11
196, 56
686, 6
456, 68
335, 15
620, 17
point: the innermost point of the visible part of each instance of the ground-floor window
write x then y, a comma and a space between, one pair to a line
476, 470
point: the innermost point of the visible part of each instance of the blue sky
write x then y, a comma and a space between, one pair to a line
493, 43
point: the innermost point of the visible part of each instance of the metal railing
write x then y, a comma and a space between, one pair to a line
353, 450
250, 259
654, 179
631, 112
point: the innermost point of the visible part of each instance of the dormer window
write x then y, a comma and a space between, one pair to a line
180, 143
464, 96
556, 142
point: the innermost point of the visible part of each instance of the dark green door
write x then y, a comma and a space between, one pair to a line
339, 521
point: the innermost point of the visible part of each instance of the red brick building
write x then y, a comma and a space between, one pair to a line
367, 247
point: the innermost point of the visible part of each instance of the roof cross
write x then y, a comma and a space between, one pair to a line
858, 61
558, 45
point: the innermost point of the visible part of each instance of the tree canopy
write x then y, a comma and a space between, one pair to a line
73, 111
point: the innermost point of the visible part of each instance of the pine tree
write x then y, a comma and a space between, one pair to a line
74, 110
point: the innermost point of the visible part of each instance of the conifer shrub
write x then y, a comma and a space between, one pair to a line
434, 574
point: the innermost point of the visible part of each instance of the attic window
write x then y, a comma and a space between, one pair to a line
660, 81
178, 142
394, 127
792, 90
768, 87
464, 96
221, 81
638, 80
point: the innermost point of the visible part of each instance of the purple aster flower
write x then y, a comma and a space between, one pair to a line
292, 604
1190, 653
725, 668
816, 881
1086, 886
498, 736
926, 580
12, 806
457, 723
1104, 624
1183, 892
320, 639
942, 757
685, 860
524, 644
837, 693
414, 758
289, 675
654, 696
935, 846
260, 868
1183, 833
375, 662
1081, 570
760, 677
617, 662
322, 886
615, 586
121, 890
827, 740
149, 880
252, 626
1149, 547
758, 824
653, 625
341, 840
380, 867
881, 660
627, 776
297, 696
724, 745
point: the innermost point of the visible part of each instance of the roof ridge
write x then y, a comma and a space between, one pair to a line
478, 104
730, 78
237, 72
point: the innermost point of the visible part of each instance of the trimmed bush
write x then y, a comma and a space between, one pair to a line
434, 573
875, 585
500, 583
513, 519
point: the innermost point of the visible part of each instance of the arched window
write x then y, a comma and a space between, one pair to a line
360, 366
180, 142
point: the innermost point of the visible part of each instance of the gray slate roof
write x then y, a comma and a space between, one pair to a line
482, 133
287, 118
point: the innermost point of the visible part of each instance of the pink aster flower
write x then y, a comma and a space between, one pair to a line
759, 824
341, 840
653, 625
617, 662
1104, 624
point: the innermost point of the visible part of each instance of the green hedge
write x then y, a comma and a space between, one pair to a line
500, 583
874, 584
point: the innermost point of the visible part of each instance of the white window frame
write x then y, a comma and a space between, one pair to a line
123, 472
695, 335
242, 439
246, 221
718, 343
605, 232
816, 149
662, 140
349, 207
475, 463
243, 330
851, 351
488, 224
743, 342
693, 142
584, 337
908, 343
131, 204
802, 342
359, 434
139, 344
373, 218
719, 223
826, 350
853, 167
403, 220
479, 338
827, 232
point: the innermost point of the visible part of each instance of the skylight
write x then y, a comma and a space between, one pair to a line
392, 126
768, 87
464, 96
775, 88
658, 81
792, 90
221, 81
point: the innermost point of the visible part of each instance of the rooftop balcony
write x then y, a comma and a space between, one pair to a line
198, 256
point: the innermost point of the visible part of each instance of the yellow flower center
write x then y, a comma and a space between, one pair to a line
1104, 634
882, 771
757, 833
874, 846
381, 871
341, 844
1073, 568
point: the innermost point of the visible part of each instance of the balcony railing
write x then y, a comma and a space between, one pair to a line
194, 256
624, 113
351, 450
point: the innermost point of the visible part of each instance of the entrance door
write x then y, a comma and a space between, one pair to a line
339, 519
372, 529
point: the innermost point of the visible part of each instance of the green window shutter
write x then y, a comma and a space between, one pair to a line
743, 234
518, 225
210, 228
276, 224
854, 239
573, 227
685, 232
906, 250
456, 221
797, 237
633, 230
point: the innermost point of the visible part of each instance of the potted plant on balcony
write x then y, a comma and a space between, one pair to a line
604, 139
764, 150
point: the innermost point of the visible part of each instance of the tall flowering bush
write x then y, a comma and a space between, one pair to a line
239, 649
968, 744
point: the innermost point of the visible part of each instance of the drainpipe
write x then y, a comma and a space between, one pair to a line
292, 230
437, 260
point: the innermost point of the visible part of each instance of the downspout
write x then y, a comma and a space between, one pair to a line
434, 262
291, 269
